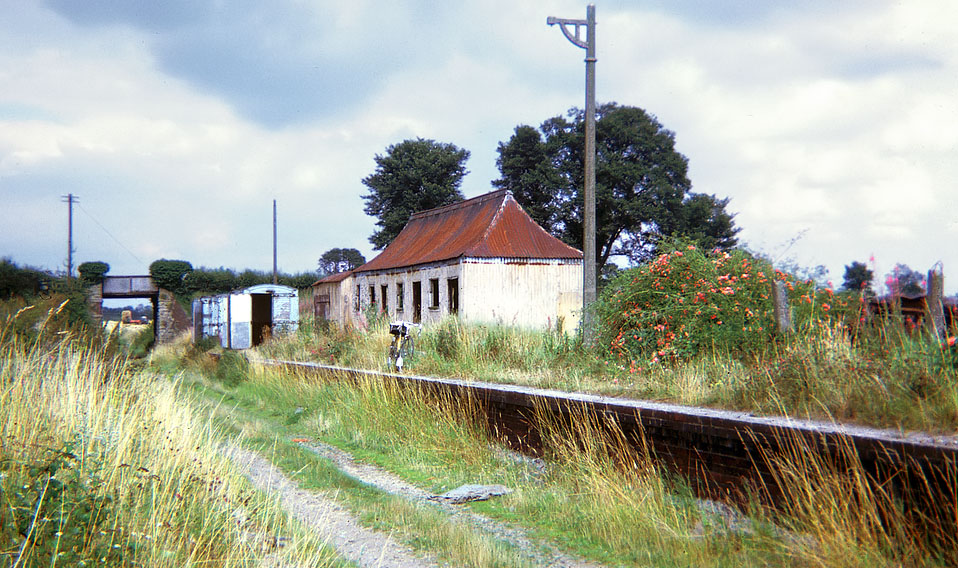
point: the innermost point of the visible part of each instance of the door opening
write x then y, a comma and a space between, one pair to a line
417, 302
262, 317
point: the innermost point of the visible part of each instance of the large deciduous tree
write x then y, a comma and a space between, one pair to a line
903, 281
337, 260
412, 176
858, 277
642, 188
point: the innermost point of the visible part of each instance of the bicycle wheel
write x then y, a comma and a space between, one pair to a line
393, 356
408, 347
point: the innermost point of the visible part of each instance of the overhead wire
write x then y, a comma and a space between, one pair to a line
105, 230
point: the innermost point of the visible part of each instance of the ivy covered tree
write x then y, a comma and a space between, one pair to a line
170, 274
412, 176
93, 272
642, 188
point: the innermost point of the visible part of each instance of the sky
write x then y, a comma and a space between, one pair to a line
832, 127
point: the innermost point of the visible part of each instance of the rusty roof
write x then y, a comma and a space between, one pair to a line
488, 226
335, 277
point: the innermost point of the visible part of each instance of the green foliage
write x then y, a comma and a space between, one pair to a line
54, 511
337, 260
231, 369
687, 302
642, 189
209, 281
23, 282
170, 274
903, 281
858, 277
414, 175
142, 343
93, 272
528, 172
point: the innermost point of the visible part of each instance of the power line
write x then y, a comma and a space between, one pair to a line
116, 240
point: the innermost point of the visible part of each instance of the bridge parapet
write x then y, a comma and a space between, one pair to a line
132, 286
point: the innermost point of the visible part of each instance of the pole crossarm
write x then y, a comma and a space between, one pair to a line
564, 24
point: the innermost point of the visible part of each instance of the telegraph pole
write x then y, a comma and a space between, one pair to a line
588, 206
274, 242
70, 199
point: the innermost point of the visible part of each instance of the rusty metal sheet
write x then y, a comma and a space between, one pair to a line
492, 225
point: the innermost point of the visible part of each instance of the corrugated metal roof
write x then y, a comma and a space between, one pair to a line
337, 277
488, 226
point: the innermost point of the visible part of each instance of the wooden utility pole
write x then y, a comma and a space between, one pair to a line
70, 199
274, 242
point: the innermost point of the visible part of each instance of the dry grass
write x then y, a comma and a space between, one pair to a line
103, 465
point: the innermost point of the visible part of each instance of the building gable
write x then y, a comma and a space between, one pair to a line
488, 226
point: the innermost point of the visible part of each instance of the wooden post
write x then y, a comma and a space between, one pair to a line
933, 303
781, 309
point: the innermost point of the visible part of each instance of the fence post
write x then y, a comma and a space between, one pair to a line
933, 303
780, 307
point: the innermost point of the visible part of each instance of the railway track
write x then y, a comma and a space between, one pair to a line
722, 454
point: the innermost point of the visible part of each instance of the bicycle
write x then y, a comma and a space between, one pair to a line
403, 345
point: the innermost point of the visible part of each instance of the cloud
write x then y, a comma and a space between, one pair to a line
178, 122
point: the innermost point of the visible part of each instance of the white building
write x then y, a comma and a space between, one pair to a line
483, 259
245, 318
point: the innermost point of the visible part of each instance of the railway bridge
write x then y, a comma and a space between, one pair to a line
169, 318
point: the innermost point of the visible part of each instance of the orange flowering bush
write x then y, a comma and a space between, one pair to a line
686, 302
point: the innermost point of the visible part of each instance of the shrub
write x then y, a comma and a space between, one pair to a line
169, 274
687, 302
93, 272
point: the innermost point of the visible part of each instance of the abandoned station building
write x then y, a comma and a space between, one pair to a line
483, 259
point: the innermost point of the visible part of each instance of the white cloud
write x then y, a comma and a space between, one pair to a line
836, 120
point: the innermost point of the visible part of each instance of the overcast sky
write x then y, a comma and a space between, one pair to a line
832, 126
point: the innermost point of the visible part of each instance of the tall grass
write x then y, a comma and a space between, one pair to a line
830, 496
881, 375
102, 465
596, 495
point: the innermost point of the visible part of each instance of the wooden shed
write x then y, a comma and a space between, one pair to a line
331, 298
483, 259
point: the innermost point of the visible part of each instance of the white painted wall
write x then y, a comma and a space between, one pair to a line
531, 295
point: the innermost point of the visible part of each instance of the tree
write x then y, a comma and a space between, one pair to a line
858, 277
903, 281
528, 172
642, 188
338, 260
412, 176
23, 282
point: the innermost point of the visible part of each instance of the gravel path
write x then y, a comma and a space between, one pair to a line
537, 552
367, 547
338, 527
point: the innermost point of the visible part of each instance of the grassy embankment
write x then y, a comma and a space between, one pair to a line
597, 497
102, 464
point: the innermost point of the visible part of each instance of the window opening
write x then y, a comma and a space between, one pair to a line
452, 294
416, 302
434, 293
